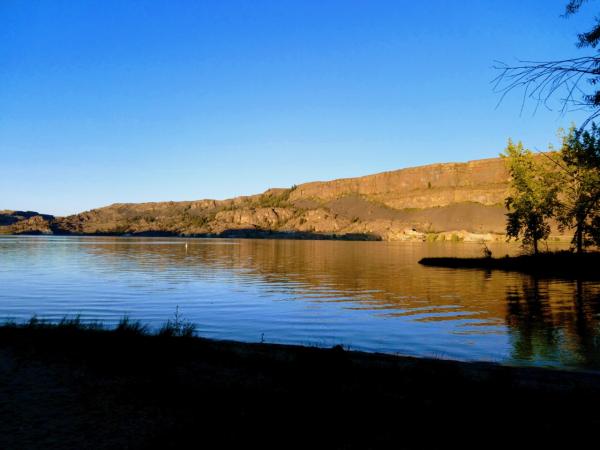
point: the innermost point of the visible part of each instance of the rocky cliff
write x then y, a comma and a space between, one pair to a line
31, 222
453, 200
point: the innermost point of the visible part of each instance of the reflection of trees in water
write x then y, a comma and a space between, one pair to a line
585, 326
551, 326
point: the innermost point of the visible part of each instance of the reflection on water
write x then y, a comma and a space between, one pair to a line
545, 325
367, 295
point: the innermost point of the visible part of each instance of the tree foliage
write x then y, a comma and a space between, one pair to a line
532, 199
563, 185
589, 38
570, 190
579, 167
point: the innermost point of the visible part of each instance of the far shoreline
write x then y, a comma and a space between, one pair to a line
455, 237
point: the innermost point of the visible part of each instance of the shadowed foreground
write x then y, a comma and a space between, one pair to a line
72, 387
562, 264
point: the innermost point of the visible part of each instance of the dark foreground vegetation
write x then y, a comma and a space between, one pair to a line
561, 264
81, 387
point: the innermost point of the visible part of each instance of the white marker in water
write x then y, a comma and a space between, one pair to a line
186, 246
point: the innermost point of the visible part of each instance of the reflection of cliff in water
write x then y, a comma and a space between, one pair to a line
544, 326
369, 275
550, 319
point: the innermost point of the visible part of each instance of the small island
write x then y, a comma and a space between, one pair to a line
563, 264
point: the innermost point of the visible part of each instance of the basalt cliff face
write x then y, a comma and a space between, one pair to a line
31, 222
458, 201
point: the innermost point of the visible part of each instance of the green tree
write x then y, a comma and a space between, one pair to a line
532, 199
579, 165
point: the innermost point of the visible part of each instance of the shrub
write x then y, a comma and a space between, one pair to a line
178, 327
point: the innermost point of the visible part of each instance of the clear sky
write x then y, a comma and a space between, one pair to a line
128, 101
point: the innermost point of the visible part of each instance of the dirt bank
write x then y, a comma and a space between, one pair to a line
68, 387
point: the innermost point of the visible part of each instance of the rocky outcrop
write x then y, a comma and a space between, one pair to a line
8, 217
455, 201
34, 225
15, 222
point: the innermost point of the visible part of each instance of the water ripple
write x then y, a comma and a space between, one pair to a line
367, 295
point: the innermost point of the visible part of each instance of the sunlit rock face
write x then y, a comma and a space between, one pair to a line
33, 225
484, 181
30, 222
462, 201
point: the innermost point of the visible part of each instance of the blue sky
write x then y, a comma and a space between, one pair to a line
129, 101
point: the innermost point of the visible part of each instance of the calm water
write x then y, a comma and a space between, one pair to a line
367, 295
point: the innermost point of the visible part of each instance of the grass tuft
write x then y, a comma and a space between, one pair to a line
131, 327
71, 322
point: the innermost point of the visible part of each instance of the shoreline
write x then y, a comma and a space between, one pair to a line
455, 236
557, 264
69, 386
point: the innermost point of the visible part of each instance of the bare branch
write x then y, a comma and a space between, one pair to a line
541, 81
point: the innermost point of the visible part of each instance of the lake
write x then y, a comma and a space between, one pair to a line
369, 296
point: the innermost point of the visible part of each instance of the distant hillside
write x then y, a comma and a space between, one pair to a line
24, 221
453, 200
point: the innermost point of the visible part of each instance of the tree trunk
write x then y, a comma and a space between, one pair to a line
579, 237
535, 246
